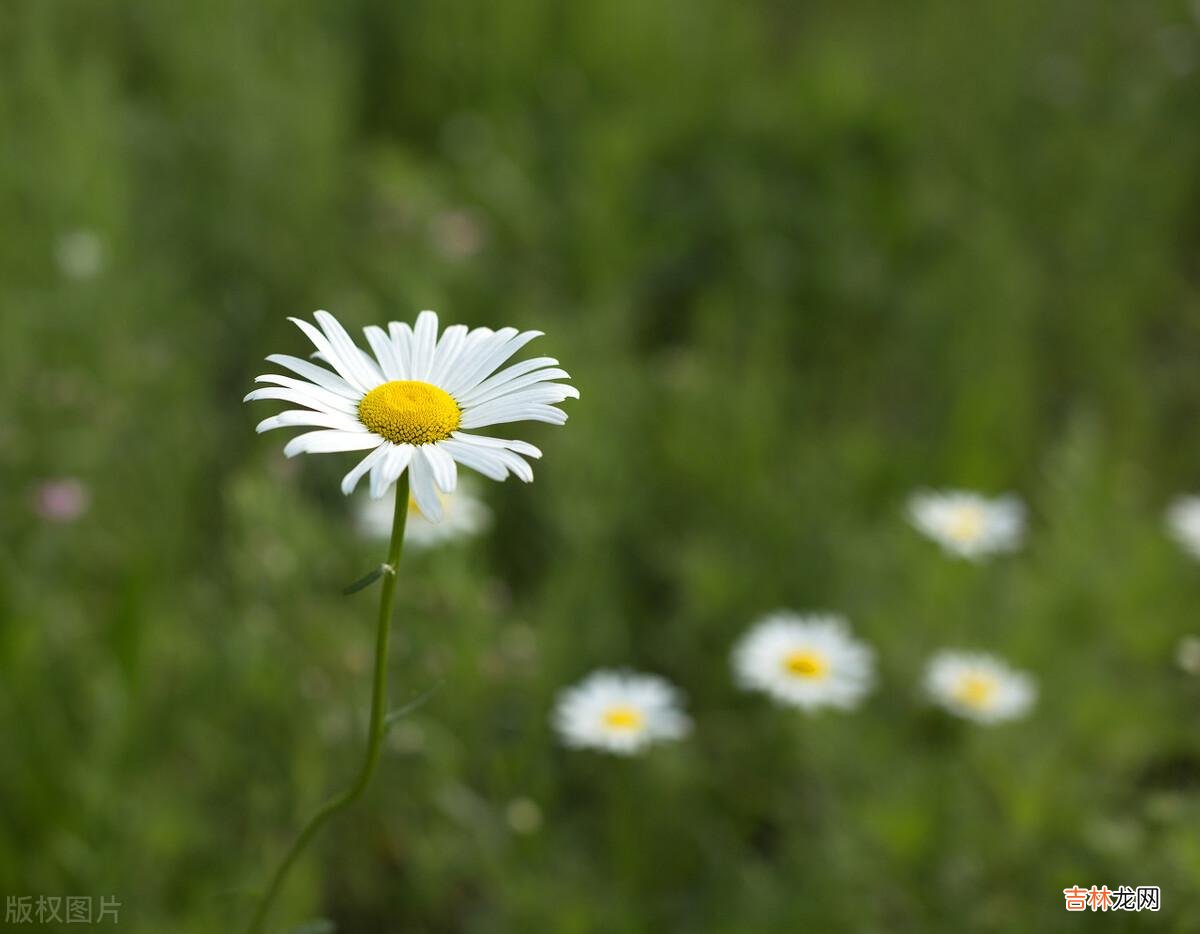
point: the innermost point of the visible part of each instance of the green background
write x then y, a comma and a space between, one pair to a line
800, 259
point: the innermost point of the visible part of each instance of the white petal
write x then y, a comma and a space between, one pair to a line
449, 346
294, 417
445, 473
492, 360
482, 343
421, 479
516, 464
378, 487
350, 352
546, 393
424, 342
350, 481
327, 442
479, 395
505, 375
470, 449
476, 458
532, 412
372, 367
385, 352
402, 336
388, 471
318, 374
553, 393
326, 352
474, 345
323, 398
521, 447
298, 396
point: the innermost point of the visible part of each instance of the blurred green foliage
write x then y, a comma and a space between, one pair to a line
799, 259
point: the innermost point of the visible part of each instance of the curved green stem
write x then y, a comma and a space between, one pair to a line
377, 725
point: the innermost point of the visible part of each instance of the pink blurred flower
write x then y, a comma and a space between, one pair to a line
61, 500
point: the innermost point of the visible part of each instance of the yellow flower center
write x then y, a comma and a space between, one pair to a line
407, 411
975, 691
966, 524
623, 717
805, 664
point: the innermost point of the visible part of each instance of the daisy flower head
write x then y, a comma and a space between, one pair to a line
978, 687
414, 402
805, 661
463, 515
620, 712
968, 524
1183, 522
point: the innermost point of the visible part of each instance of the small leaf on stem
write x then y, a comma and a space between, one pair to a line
367, 579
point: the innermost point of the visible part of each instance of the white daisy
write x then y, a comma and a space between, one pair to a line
968, 524
463, 514
979, 687
1183, 522
619, 711
805, 661
413, 401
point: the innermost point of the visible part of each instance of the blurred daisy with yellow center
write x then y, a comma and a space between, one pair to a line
805, 661
806, 664
978, 687
464, 515
620, 712
414, 401
969, 524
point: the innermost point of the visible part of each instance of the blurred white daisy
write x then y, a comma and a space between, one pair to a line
413, 401
463, 514
978, 686
619, 711
1183, 522
968, 524
805, 661
80, 254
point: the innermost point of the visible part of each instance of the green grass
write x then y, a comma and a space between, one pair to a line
799, 259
